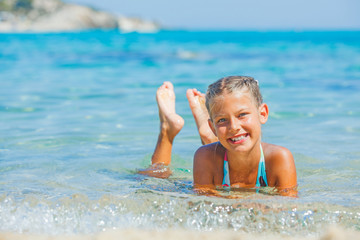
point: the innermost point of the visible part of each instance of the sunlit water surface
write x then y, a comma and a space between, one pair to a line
78, 117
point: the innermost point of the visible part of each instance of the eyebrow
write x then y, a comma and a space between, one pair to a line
238, 111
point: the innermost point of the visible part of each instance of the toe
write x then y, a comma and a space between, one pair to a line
168, 85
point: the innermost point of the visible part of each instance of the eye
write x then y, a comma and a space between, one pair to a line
221, 120
242, 115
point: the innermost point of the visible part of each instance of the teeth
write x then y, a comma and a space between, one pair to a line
238, 138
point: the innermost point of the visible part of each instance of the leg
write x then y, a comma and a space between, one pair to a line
197, 104
170, 124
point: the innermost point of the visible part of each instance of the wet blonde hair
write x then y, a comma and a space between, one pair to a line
232, 84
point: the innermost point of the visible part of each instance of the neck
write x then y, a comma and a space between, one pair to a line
244, 162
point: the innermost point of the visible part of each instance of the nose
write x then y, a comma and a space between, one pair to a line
235, 125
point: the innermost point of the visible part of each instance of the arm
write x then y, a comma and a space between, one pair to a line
204, 171
203, 167
283, 169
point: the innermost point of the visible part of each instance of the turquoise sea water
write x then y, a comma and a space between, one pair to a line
78, 116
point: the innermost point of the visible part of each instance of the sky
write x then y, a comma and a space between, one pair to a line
239, 14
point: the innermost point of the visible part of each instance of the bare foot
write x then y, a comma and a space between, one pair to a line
197, 105
170, 122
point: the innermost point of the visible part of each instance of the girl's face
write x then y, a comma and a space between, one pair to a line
236, 120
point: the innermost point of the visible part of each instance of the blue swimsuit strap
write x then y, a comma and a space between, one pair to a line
261, 179
226, 179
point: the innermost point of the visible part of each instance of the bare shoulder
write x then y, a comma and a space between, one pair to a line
275, 154
280, 165
206, 161
206, 156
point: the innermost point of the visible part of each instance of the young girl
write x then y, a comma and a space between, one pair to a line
229, 120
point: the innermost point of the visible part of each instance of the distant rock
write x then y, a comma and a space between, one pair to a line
57, 16
127, 24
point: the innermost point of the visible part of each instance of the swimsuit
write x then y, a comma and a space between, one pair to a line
261, 180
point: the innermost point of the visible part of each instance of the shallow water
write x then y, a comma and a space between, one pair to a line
78, 117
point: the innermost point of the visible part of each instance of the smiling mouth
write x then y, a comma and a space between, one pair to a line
239, 138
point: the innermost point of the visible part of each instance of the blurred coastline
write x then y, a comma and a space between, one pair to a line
57, 16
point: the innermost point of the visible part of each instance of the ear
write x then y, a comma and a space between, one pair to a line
211, 125
264, 113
